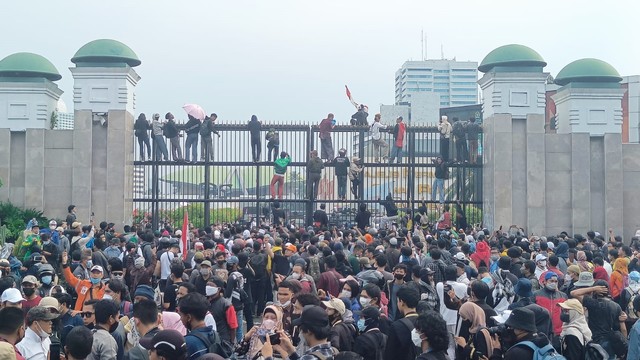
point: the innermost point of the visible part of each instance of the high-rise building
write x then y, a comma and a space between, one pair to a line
454, 81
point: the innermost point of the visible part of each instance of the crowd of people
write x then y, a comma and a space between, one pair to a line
270, 291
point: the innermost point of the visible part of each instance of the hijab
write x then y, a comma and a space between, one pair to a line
577, 326
583, 264
562, 251
621, 265
475, 314
266, 327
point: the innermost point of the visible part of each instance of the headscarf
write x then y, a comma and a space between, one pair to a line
562, 251
473, 313
483, 253
583, 263
621, 265
171, 320
600, 273
255, 344
577, 326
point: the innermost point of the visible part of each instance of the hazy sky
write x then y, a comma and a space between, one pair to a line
289, 60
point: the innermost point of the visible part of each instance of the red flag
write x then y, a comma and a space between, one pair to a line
185, 231
348, 92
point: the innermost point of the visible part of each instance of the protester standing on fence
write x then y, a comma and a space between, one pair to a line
273, 144
314, 173
445, 134
255, 127
172, 133
380, 146
141, 130
326, 144
399, 132
459, 132
355, 168
279, 172
341, 165
192, 128
441, 173
473, 130
206, 138
159, 145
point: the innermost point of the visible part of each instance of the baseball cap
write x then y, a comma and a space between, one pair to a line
393, 241
232, 260
313, 315
30, 279
292, 248
459, 256
178, 232
335, 304
541, 257
169, 342
206, 263
97, 268
4, 263
572, 304
12, 295
40, 313
51, 303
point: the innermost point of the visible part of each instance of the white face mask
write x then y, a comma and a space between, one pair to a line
43, 334
295, 276
107, 297
415, 337
542, 263
285, 304
364, 301
211, 290
345, 294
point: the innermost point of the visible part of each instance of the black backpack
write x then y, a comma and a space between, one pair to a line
593, 351
259, 264
214, 344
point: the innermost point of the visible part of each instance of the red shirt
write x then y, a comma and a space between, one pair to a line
400, 137
28, 304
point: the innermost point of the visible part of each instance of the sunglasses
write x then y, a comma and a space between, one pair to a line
86, 314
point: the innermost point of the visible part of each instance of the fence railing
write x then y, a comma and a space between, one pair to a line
227, 185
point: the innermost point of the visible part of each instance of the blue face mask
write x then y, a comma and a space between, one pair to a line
487, 280
361, 325
46, 279
95, 281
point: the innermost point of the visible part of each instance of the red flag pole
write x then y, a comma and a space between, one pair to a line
185, 231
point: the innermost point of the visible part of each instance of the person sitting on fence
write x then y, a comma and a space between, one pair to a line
279, 171
391, 209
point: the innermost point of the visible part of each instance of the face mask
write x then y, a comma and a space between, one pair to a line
221, 262
542, 263
43, 334
89, 264
95, 281
107, 297
46, 279
398, 276
113, 327
564, 317
205, 273
494, 258
345, 294
415, 338
211, 290
364, 301
28, 291
285, 304
361, 325
295, 276
302, 340
487, 280
117, 277
269, 324
46, 241
552, 286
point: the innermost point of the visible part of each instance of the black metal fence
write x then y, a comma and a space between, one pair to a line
230, 186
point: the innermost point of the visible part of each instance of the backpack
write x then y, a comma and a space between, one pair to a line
314, 268
546, 352
259, 264
593, 351
631, 310
214, 344
458, 129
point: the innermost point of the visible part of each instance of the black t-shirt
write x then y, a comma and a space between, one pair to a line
603, 316
170, 296
278, 216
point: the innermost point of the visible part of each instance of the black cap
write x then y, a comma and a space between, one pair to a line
312, 315
370, 312
522, 319
169, 342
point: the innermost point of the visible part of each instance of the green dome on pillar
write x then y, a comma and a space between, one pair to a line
28, 65
588, 70
105, 52
512, 55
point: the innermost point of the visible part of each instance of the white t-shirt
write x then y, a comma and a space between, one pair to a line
165, 264
450, 316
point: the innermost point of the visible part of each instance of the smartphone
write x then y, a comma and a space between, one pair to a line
37, 258
274, 338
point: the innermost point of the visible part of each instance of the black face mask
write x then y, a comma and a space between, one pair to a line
564, 317
508, 338
29, 291
398, 276
221, 262
113, 327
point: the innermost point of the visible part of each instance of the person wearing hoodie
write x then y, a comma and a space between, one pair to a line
172, 132
314, 174
482, 254
562, 252
575, 331
370, 344
326, 144
255, 127
355, 168
279, 172
141, 130
619, 277
628, 295
192, 128
273, 144
341, 165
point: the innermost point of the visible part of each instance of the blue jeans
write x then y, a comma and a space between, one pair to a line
438, 184
342, 186
395, 151
240, 317
192, 142
160, 148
